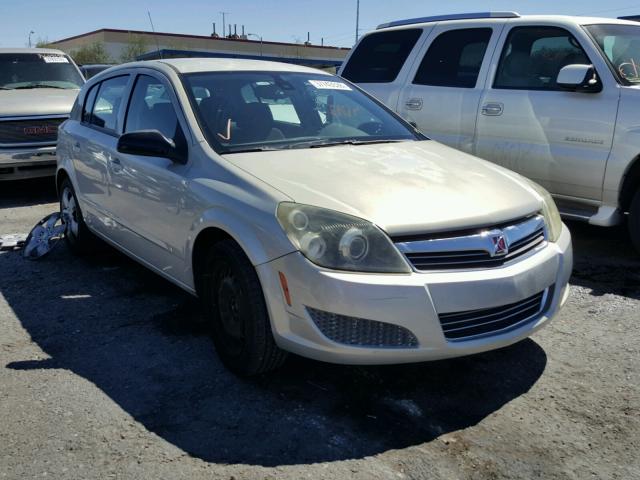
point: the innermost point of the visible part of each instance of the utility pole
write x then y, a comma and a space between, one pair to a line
224, 22
357, 20
30, 33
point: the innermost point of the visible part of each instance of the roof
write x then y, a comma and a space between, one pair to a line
31, 50
182, 35
511, 17
171, 53
192, 65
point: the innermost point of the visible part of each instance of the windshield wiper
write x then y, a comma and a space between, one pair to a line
353, 142
250, 150
38, 85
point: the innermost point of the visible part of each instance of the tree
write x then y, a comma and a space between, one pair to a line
91, 53
136, 46
43, 43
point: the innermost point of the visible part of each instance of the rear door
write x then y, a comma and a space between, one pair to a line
380, 61
527, 123
94, 147
444, 86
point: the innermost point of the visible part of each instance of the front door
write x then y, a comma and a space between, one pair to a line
527, 123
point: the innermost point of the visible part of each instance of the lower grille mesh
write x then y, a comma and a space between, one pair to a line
462, 325
361, 332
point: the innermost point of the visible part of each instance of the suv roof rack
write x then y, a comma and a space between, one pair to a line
455, 16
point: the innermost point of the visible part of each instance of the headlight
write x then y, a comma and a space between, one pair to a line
550, 212
339, 241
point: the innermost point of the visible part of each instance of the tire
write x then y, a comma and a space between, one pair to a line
77, 235
235, 306
634, 221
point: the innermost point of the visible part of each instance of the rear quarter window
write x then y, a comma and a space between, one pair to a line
379, 57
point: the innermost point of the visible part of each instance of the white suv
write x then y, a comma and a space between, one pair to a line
551, 97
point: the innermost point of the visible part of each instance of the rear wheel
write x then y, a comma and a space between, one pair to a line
236, 308
77, 235
634, 221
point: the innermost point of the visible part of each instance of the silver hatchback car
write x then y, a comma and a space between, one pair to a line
307, 216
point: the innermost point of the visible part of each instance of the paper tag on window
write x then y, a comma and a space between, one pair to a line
329, 85
55, 59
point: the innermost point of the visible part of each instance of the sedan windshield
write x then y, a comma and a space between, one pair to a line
255, 111
621, 46
38, 70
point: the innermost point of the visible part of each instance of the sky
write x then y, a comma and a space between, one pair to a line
284, 20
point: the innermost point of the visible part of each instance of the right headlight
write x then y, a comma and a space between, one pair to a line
338, 241
550, 212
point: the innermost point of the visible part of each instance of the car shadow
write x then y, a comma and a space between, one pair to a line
604, 260
136, 337
24, 193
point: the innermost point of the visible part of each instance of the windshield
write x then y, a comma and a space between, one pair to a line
253, 111
38, 70
621, 46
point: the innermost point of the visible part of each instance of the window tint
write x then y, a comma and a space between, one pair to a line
533, 57
88, 103
151, 109
108, 102
454, 58
380, 56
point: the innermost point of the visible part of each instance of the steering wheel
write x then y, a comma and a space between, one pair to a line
372, 128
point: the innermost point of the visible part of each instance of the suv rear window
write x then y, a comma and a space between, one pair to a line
454, 58
380, 56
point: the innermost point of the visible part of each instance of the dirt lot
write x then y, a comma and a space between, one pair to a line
103, 375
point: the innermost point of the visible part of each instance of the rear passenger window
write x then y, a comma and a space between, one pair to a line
533, 57
108, 103
151, 108
380, 56
88, 103
454, 59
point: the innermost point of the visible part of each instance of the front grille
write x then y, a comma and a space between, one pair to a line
474, 323
476, 249
361, 332
29, 131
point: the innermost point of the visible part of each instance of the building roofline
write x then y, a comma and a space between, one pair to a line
183, 35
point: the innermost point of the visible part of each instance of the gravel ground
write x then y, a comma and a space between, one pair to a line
103, 374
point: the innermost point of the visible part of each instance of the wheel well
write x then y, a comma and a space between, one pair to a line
60, 177
203, 241
630, 184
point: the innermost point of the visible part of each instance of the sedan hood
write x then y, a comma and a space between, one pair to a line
36, 101
404, 188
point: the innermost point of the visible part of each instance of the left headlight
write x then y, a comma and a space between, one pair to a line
550, 212
338, 241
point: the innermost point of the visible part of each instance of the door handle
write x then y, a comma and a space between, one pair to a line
492, 109
115, 164
413, 104
76, 146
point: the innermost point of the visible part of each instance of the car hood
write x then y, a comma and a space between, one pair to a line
36, 101
404, 188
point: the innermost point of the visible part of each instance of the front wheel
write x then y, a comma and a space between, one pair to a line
634, 221
235, 305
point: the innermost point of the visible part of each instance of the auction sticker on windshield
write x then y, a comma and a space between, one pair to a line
55, 59
327, 85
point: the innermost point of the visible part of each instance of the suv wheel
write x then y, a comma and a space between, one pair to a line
634, 221
76, 233
236, 308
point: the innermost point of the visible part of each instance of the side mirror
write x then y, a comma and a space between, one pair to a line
579, 78
151, 143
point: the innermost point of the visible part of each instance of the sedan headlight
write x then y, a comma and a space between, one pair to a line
338, 241
550, 212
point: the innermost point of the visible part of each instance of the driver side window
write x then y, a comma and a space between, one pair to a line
150, 108
533, 57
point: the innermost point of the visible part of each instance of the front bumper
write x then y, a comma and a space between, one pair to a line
412, 301
30, 162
